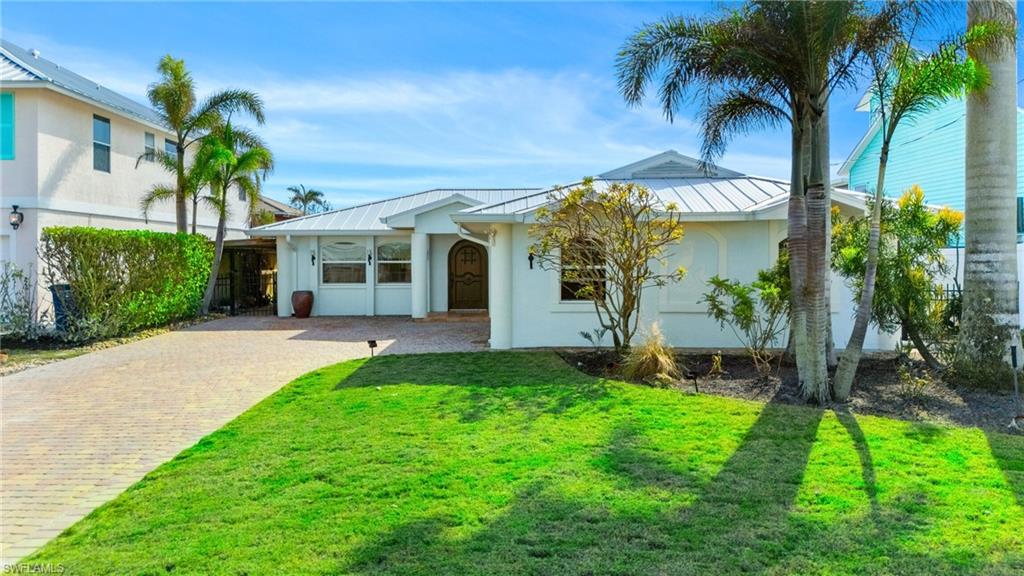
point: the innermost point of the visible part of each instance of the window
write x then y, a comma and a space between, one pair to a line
171, 148
150, 153
7, 126
394, 262
344, 262
100, 144
582, 273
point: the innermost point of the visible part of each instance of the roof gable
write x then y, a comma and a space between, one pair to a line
668, 164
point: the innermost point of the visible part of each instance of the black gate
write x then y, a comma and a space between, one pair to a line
247, 284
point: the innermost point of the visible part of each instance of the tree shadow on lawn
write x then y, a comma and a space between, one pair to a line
738, 522
1008, 452
544, 385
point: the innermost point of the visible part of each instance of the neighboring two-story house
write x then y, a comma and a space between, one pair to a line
69, 156
927, 150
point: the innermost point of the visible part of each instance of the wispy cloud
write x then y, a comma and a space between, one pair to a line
398, 131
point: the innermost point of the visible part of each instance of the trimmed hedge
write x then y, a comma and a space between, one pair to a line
125, 280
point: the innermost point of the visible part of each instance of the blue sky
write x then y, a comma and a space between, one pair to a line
372, 100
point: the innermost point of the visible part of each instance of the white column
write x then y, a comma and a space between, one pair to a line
499, 284
285, 276
371, 277
420, 274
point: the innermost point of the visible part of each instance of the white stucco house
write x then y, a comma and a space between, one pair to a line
69, 152
445, 251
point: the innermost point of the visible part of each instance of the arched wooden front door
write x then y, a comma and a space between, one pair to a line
467, 276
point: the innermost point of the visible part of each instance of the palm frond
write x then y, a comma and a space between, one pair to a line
157, 193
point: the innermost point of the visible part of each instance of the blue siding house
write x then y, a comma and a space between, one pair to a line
927, 150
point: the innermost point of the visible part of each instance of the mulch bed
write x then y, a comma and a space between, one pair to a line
877, 390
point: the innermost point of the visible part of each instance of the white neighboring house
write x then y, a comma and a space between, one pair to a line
68, 155
444, 251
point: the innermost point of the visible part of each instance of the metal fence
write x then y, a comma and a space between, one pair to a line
248, 287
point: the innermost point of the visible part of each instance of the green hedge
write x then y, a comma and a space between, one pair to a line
126, 280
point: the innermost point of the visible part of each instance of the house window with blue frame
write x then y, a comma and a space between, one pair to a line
101, 144
7, 126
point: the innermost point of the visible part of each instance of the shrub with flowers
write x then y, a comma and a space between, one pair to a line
910, 259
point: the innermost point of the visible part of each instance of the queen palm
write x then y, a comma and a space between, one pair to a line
905, 83
303, 198
768, 64
990, 298
241, 161
197, 177
174, 99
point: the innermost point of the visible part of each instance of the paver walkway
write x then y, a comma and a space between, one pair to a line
76, 433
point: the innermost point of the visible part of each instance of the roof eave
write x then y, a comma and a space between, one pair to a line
48, 85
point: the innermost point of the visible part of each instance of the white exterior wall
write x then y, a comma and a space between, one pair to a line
540, 319
440, 246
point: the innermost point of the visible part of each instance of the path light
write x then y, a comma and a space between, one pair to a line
372, 344
16, 218
530, 258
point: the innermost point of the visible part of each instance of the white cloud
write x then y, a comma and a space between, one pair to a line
400, 131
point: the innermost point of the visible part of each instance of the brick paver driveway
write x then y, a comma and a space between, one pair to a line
78, 432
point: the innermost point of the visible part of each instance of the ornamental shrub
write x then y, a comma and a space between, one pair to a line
122, 281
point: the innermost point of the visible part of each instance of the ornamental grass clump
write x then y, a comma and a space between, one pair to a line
652, 361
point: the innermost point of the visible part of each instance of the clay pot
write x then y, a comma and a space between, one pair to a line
302, 303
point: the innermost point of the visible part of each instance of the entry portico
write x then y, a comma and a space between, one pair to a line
402, 256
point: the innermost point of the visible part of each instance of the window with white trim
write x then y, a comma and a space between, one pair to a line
582, 273
343, 261
171, 148
100, 143
394, 262
150, 150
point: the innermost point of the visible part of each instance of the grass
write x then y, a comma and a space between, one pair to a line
514, 463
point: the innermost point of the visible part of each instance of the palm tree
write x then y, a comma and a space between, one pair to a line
197, 177
905, 83
174, 99
241, 161
768, 64
990, 299
303, 198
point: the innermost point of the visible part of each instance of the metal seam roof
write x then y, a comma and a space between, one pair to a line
20, 65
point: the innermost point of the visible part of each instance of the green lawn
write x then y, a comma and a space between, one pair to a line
514, 463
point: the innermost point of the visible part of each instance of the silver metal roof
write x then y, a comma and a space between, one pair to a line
21, 66
690, 195
368, 217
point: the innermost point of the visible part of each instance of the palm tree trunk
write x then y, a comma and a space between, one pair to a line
855, 345
815, 381
180, 208
218, 253
830, 342
797, 246
990, 267
195, 212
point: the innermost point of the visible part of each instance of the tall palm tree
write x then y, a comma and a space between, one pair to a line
197, 178
906, 83
990, 299
174, 99
303, 198
768, 64
241, 161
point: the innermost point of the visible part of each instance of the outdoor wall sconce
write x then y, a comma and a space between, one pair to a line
372, 344
312, 258
16, 218
530, 258
369, 259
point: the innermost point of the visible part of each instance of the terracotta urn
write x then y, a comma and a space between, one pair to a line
302, 303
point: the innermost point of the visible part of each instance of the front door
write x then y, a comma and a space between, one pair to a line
467, 276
